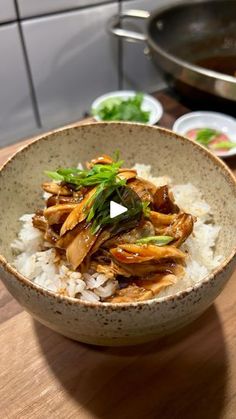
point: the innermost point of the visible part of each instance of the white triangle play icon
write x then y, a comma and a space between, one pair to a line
116, 209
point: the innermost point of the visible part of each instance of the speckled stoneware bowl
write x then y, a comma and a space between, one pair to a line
106, 323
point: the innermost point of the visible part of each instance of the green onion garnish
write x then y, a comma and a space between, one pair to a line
157, 240
224, 144
105, 178
98, 174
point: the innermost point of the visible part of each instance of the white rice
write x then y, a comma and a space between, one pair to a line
35, 257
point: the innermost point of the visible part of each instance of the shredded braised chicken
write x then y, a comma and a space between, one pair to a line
141, 250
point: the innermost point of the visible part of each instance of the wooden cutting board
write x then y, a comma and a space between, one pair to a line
191, 374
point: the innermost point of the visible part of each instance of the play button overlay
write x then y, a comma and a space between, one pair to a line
116, 209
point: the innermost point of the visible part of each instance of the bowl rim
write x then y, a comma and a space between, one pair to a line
204, 114
116, 306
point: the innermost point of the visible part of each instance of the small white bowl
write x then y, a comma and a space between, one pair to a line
203, 119
149, 104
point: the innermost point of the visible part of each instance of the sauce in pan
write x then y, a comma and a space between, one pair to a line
221, 64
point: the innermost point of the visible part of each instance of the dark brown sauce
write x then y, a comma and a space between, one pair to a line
222, 64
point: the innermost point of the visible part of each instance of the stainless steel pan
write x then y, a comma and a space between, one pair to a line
180, 37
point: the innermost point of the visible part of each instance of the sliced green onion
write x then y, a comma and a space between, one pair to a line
146, 208
157, 240
54, 175
108, 187
224, 144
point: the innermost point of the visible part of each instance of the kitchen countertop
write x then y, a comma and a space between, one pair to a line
191, 374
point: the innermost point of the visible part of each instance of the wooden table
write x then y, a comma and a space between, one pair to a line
191, 374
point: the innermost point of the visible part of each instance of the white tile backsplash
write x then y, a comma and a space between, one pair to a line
73, 60
29, 8
7, 11
16, 112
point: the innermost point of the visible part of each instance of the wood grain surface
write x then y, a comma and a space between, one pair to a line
191, 374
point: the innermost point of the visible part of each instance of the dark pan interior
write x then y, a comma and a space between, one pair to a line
197, 30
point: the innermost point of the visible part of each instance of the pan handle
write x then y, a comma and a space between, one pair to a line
114, 25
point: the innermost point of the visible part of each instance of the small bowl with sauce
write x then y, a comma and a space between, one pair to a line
215, 131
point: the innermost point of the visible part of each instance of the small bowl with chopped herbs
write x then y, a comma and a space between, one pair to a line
213, 130
127, 105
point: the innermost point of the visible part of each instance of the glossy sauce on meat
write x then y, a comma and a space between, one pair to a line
141, 250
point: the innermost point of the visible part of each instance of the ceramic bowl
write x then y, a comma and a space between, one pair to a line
150, 104
215, 120
168, 153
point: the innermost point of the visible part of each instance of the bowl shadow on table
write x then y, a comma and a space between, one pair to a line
179, 376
